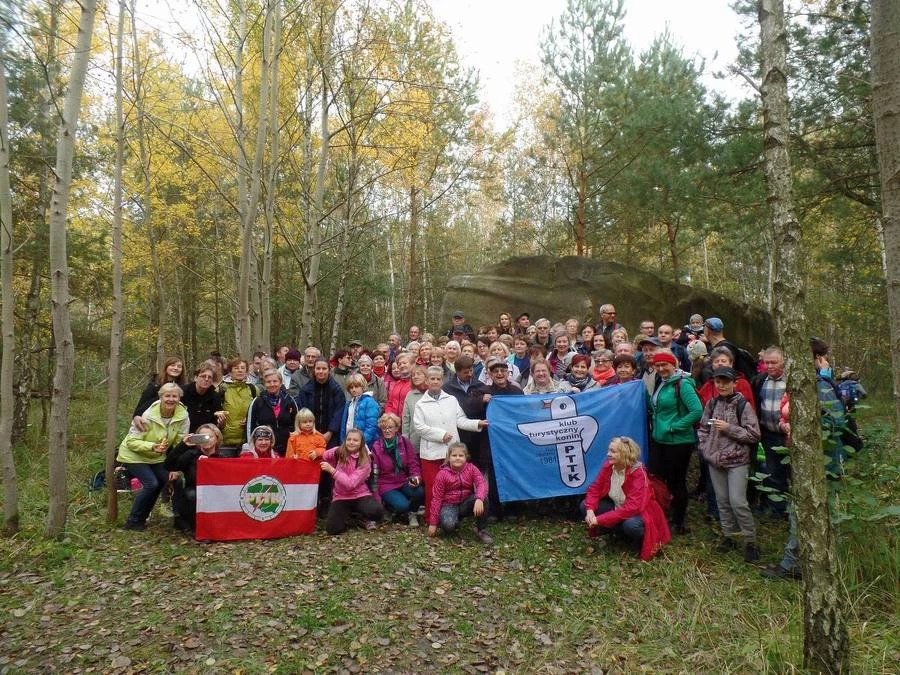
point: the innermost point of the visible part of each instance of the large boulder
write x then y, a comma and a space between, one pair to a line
560, 288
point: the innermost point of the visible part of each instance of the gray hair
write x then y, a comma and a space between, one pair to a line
435, 371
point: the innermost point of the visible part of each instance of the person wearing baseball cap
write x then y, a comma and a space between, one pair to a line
476, 406
728, 431
459, 327
675, 409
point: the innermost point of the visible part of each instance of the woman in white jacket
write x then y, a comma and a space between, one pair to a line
436, 419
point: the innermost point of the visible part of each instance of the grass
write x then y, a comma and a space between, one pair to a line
544, 598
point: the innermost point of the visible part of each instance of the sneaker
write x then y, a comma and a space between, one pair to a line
485, 538
370, 525
751, 553
779, 572
137, 527
413, 520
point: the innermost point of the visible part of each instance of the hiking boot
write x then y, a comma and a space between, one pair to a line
370, 525
779, 572
751, 553
726, 545
137, 527
413, 520
485, 538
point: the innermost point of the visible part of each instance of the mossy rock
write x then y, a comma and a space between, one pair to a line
561, 288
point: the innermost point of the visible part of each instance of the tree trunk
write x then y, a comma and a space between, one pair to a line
412, 286
7, 319
886, 108
59, 277
316, 222
825, 641
115, 339
30, 338
157, 311
580, 212
265, 337
393, 285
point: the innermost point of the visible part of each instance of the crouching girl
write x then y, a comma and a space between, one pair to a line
622, 500
350, 466
459, 491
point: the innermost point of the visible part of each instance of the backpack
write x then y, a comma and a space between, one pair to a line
850, 393
741, 404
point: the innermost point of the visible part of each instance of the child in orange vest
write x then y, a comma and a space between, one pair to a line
305, 442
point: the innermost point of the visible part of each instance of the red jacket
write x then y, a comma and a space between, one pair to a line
397, 396
639, 501
708, 391
453, 487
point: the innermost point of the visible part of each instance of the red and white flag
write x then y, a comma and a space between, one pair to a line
255, 498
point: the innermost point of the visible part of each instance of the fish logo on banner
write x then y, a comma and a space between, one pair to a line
262, 498
571, 434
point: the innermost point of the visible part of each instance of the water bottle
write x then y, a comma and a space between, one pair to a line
373, 479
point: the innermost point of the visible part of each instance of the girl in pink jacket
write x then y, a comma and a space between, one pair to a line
350, 467
459, 490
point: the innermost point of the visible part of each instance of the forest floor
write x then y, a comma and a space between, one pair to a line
544, 598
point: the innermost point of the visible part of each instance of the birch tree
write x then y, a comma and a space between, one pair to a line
7, 319
59, 276
115, 338
885, 48
825, 641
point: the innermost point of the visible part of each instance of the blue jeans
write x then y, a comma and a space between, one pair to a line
153, 479
406, 499
632, 528
792, 547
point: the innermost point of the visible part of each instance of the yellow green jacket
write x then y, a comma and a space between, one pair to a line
137, 446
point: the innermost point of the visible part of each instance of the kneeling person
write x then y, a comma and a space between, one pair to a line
459, 491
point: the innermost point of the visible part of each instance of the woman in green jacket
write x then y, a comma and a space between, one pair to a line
675, 409
143, 452
237, 396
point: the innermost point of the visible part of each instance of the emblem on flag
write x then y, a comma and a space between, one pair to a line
262, 498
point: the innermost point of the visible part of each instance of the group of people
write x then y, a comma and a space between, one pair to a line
400, 428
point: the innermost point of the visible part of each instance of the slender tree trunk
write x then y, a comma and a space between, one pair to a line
886, 108
115, 339
316, 222
825, 642
393, 285
7, 319
30, 333
412, 287
580, 213
59, 277
158, 312
265, 338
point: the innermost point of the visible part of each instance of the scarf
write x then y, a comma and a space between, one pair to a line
379, 370
274, 400
392, 448
601, 377
578, 383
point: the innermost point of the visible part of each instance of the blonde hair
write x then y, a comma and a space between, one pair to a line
303, 415
389, 417
628, 450
213, 431
457, 446
355, 380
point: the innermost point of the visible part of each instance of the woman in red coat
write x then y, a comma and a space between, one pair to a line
621, 499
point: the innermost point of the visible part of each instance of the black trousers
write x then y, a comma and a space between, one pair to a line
368, 507
670, 464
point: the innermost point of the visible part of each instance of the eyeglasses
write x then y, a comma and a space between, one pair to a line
204, 376
604, 360
265, 433
610, 313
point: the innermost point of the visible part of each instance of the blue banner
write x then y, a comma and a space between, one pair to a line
553, 445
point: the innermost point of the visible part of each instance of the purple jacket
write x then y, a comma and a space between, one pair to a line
349, 478
388, 477
453, 487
